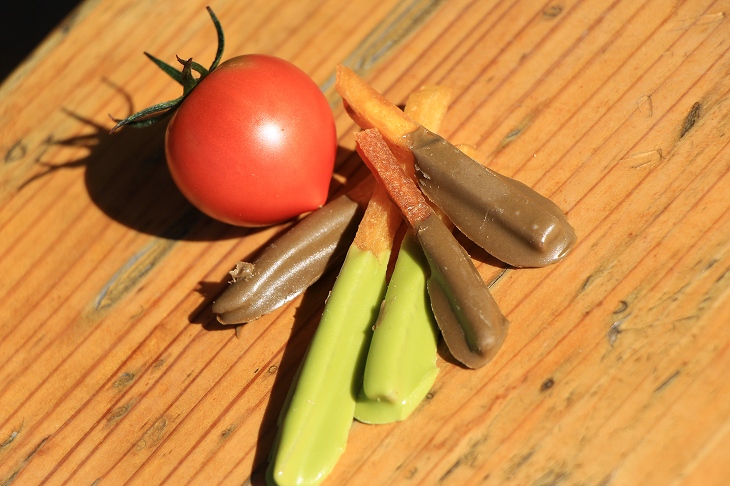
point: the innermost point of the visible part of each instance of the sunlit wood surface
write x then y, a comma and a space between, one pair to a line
615, 370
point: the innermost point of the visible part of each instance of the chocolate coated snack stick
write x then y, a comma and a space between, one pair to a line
294, 261
470, 321
505, 217
528, 231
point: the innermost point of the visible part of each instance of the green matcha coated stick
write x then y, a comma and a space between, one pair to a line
315, 424
401, 363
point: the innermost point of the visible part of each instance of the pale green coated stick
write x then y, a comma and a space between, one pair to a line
401, 365
316, 420
314, 427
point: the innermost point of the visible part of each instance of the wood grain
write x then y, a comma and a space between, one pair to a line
113, 370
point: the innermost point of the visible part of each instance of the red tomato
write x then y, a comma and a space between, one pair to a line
254, 143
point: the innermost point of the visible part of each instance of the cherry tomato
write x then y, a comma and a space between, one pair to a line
254, 143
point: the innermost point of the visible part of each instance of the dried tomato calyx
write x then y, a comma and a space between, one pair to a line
184, 76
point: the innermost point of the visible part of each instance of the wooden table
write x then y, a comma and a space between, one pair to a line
615, 370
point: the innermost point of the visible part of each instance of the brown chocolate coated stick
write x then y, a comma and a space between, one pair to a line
505, 217
470, 320
295, 260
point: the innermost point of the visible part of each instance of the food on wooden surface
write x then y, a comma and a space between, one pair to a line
324, 397
295, 260
299, 257
471, 323
315, 422
508, 219
251, 141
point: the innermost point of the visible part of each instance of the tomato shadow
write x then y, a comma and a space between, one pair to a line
126, 177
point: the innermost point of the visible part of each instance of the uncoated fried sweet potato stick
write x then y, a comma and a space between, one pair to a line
369, 109
376, 153
471, 323
428, 106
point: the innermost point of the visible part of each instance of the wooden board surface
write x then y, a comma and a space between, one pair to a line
113, 370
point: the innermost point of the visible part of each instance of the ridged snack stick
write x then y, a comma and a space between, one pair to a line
295, 260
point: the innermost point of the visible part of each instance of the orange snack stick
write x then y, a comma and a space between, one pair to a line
370, 109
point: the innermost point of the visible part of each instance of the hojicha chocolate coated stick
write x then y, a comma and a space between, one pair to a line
293, 261
506, 218
470, 321
521, 227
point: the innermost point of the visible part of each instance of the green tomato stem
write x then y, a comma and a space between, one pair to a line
184, 76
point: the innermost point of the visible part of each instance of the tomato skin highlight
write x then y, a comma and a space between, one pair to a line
254, 143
